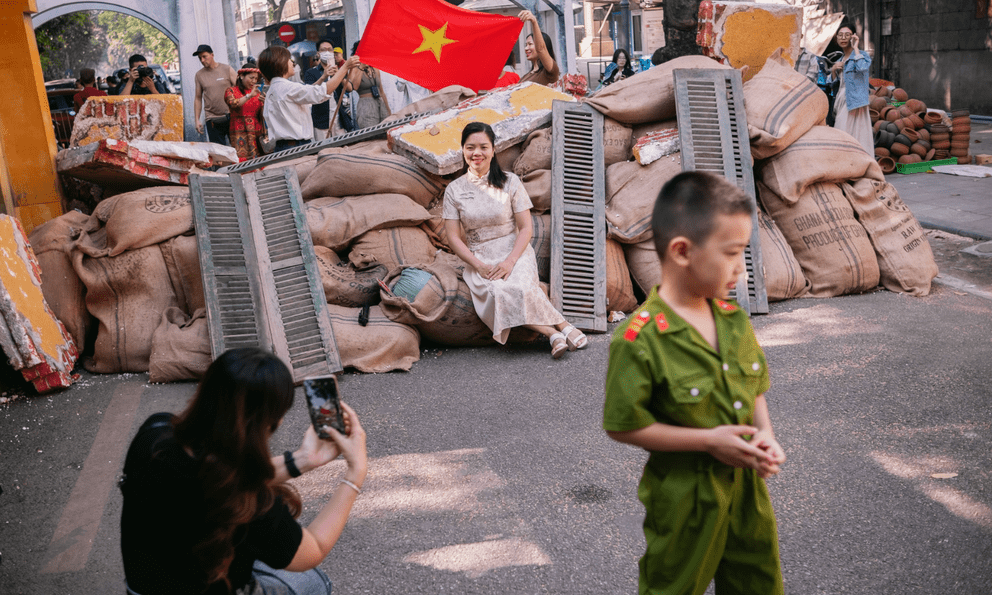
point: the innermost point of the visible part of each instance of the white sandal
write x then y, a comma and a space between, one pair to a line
579, 343
559, 345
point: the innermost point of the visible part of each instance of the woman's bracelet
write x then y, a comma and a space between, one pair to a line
351, 485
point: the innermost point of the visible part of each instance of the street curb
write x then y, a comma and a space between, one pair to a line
961, 285
954, 230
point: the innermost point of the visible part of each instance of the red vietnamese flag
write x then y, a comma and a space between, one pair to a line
435, 44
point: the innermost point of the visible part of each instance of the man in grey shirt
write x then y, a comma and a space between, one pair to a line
211, 82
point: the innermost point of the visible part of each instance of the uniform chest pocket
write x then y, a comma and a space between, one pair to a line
692, 390
751, 375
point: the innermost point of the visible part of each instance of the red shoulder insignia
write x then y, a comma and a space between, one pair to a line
636, 325
725, 306
661, 321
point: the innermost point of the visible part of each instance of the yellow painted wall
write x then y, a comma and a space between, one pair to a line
27, 141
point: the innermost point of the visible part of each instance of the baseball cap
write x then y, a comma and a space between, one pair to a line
338, 50
203, 48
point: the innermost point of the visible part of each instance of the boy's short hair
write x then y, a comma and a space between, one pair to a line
274, 61
87, 76
134, 59
689, 204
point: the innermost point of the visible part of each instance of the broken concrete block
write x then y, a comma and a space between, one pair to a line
119, 166
746, 33
655, 145
128, 117
434, 142
35, 342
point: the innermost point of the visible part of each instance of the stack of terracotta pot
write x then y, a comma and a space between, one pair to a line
903, 133
961, 135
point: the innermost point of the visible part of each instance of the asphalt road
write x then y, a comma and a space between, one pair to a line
489, 473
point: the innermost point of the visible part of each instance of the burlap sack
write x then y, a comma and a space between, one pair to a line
781, 106
508, 156
540, 240
538, 186
442, 311
369, 147
182, 260
905, 260
631, 191
65, 294
449, 96
784, 278
644, 264
619, 289
829, 243
535, 153
344, 283
380, 346
180, 347
616, 141
649, 96
823, 154
436, 232
335, 222
347, 174
641, 129
144, 217
303, 165
392, 247
127, 294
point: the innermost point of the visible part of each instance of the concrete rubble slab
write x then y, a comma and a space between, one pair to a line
118, 165
746, 33
34, 340
655, 145
434, 142
128, 117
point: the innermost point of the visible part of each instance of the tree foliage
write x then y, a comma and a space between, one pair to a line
66, 44
126, 35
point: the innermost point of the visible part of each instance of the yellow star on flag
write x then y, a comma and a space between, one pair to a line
434, 41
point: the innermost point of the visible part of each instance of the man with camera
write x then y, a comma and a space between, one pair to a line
324, 64
211, 82
140, 79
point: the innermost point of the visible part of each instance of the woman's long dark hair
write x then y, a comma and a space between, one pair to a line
497, 177
628, 70
547, 44
238, 405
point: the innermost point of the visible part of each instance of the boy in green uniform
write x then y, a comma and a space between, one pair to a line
685, 382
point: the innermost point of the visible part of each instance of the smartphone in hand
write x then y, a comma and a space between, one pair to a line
324, 404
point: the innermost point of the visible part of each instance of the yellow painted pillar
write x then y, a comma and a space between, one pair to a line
31, 189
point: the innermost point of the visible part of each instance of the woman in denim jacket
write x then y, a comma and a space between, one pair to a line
851, 105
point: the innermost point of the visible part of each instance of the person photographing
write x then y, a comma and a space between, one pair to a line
207, 509
140, 79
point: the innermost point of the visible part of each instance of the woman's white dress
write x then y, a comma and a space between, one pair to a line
856, 122
487, 215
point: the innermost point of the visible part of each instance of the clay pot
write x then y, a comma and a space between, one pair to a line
925, 144
873, 114
900, 95
877, 103
960, 113
877, 126
916, 120
964, 160
944, 145
903, 139
899, 149
939, 154
892, 115
936, 137
887, 164
916, 105
886, 138
932, 118
960, 144
905, 111
910, 159
929, 155
891, 127
960, 130
918, 149
959, 152
910, 134
881, 152
924, 134
883, 92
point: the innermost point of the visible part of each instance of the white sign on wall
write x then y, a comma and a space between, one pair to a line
653, 30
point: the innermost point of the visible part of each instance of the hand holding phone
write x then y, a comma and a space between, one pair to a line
324, 405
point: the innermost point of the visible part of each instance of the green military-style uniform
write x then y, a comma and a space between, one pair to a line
704, 518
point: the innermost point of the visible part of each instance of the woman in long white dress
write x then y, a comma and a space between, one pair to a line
489, 226
851, 105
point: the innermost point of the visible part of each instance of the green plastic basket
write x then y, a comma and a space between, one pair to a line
923, 166
897, 103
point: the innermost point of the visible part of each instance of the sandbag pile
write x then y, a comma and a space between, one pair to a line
843, 226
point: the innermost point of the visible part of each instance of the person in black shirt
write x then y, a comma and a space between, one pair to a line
208, 510
134, 84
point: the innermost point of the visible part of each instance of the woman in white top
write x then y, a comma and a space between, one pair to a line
287, 104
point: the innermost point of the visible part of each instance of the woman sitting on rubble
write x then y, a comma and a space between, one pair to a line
490, 209
538, 50
618, 69
851, 105
208, 510
246, 101
287, 104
